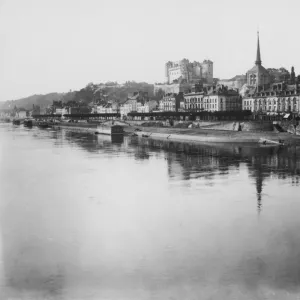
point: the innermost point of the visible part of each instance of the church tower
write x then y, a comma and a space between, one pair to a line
258, 59
293, 76
258, 75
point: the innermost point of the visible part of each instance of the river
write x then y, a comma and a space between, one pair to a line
83, 216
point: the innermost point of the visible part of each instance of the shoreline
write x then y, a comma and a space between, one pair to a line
215, 136
195, 135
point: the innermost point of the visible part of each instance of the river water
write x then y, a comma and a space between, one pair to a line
87, 217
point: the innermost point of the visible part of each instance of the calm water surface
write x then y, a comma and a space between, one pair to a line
85, 217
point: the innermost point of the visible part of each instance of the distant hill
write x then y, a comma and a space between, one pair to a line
27, 103
109, 91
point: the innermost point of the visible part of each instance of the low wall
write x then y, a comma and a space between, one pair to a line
256, 126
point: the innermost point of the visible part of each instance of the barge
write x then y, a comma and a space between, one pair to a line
42, 125
110, 130
16, 122
28, 123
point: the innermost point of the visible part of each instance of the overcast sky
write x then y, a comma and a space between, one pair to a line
58, 45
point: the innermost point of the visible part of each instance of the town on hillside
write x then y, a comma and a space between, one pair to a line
189, 87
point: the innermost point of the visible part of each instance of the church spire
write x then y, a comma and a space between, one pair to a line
258, 60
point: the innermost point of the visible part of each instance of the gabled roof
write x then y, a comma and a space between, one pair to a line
258, 69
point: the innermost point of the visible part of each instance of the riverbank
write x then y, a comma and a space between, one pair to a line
213, 136
85, 127
195, 135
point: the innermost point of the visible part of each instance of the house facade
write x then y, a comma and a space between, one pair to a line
134, 101
21, 114
278, 98
172, 102
217, 98
147, 107
108, 108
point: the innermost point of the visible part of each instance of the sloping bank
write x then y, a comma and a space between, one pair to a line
215, 136
85, 127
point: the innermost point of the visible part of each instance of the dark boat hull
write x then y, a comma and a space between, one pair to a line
43, 125
28, 123
110, 130
16, 122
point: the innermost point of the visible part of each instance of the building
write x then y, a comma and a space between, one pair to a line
194, 101
215, 98
258, 75
147, 107
189, 71
276, 98
79, 110
132, 102
172, 102
61, 111
107, 108
5, 113
21, 114
36, 110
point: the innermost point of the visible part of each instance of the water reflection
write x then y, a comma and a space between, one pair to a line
87, 217
188, 161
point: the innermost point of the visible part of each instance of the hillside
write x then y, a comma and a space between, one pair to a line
107, 91
28, 102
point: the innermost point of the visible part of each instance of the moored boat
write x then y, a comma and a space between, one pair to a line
42, 124
28, 123
16, 122
270, 142
110, 129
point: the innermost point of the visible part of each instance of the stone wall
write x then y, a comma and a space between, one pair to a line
257, 126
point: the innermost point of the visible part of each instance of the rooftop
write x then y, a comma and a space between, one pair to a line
258, 69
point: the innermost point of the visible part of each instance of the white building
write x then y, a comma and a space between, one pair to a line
61, 111
189, 71
214, 100
279, 98
21, 114
128, 106
147, 107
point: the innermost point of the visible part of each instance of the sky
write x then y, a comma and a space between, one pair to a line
61, 45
